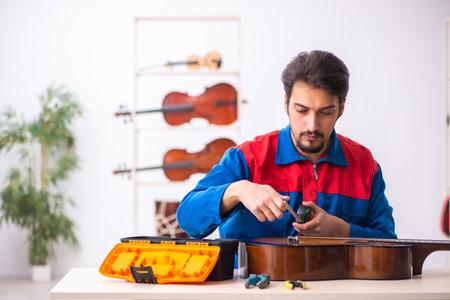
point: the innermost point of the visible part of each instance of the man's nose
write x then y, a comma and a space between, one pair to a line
312, 122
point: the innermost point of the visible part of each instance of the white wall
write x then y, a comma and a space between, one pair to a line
393, 49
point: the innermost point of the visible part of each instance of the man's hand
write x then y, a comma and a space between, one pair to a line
323, 224
262, 200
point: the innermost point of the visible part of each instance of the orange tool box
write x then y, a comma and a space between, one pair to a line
146, 259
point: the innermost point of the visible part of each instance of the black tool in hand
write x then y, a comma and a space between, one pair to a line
303, 213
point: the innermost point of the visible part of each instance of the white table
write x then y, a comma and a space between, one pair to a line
90, 284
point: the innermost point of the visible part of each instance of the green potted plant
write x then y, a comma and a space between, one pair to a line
31, 199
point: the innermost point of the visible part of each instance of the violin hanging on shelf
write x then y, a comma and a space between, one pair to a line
212, 61
178, 164
217, 104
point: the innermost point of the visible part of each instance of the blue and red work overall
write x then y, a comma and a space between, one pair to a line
346, 182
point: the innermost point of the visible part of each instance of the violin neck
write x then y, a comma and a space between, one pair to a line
190, 62
184, 62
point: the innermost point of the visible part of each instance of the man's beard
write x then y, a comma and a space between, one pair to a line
310, 148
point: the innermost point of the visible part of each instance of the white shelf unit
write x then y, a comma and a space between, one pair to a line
157, 39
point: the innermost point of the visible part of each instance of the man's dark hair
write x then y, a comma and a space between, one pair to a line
319, 69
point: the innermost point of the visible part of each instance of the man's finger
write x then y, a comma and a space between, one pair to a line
259, 215
268, 214
276, 210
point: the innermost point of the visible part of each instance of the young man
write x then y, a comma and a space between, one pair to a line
305, 163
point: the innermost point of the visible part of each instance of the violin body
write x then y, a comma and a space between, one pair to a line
212, 60
316, 258
178, 164
218, 105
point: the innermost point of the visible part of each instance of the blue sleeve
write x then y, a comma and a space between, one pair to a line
379, 222
199, 211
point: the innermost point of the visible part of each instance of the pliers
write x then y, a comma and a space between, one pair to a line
292, 284
262, 281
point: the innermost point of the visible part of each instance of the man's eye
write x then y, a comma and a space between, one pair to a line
326, 113
302, 112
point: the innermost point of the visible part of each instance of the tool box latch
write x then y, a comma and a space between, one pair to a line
143, 274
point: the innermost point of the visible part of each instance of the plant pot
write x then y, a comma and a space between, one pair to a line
40, 273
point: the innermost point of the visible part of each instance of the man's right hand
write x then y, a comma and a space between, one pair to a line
262, 200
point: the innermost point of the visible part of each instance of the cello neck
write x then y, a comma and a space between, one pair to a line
169, 166
178, 108
186, 107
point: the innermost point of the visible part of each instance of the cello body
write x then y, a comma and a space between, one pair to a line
316, 258
218, 105
178, 164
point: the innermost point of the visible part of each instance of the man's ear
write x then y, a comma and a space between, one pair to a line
286, 105
341, 108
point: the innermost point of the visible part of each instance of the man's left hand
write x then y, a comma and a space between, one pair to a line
322, 224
